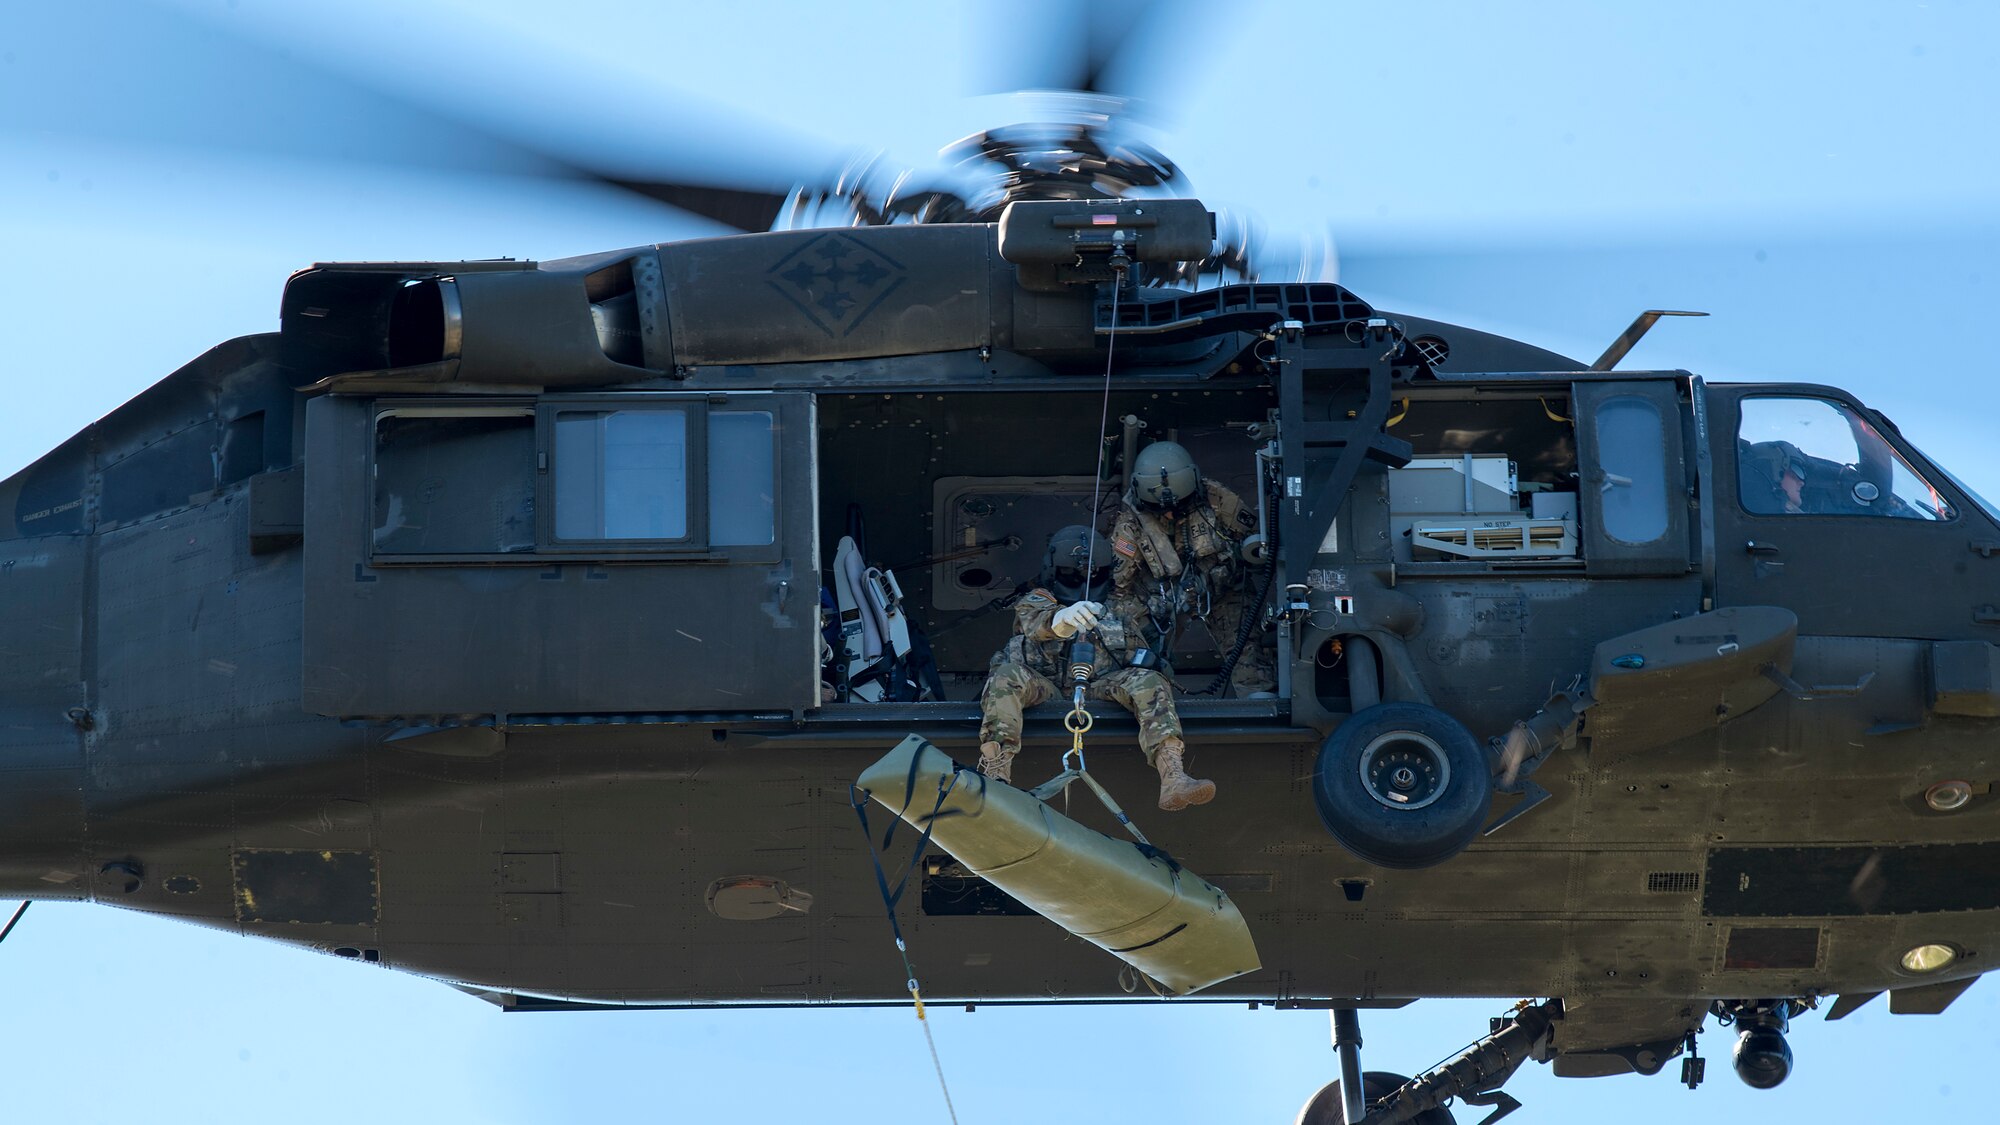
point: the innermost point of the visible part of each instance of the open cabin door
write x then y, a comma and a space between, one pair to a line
629, 553
1632, 478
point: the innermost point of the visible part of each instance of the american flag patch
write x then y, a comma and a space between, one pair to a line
1104, 220
1125, 547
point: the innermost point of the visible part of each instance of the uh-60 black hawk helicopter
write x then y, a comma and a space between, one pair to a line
472, 624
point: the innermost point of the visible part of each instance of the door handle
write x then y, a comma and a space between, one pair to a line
1756, 548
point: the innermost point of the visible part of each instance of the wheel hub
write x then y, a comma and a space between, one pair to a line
1404, 770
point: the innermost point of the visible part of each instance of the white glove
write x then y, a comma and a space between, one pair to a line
1072, 619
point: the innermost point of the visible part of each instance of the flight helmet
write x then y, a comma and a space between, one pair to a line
1071, 551
1771, 460
1163, 475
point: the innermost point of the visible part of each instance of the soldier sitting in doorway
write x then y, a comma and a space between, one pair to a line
1075, 572
1179, 542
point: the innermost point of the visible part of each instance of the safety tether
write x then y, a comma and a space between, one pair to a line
858, 799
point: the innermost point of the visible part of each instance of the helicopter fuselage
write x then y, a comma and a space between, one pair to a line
472, 625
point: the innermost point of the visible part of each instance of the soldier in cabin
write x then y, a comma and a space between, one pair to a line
1124, 669
1178, 546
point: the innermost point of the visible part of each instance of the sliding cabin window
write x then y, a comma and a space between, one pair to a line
622, 475
454, 481
575, 478
667, 477
742, 478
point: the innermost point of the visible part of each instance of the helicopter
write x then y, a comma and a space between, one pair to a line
1461, 343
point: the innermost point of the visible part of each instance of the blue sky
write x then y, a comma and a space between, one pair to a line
1820, 177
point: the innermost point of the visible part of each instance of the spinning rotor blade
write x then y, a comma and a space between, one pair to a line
1092, 49
746, 209
296, 90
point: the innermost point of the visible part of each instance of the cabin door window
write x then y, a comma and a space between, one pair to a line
1632, 478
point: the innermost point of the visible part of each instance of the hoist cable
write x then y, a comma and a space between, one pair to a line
950, 1110
1103, 422
9, 927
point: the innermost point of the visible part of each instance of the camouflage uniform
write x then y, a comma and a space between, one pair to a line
1026, 672
1153, 552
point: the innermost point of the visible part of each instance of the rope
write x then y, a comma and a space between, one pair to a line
858, 800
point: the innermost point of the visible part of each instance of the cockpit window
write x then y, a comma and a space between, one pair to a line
1812, 456
1985, 505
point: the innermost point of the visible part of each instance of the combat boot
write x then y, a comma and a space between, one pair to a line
1177, 789
996, 762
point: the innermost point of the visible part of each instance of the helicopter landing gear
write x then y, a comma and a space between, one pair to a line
1326, 1108
1402, 785
1473, 1077
1762, 1057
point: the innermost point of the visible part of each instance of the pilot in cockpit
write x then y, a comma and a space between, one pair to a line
1779, 478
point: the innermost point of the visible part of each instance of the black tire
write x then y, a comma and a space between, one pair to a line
1323, 1108
1388, 823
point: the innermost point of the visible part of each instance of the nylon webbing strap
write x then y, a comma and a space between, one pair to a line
1061, 782
858, 800
1112, 806
1054, 785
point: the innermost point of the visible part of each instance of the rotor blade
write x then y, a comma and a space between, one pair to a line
550, 116
1108, 27
1064, 45
146, 88
743, 208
